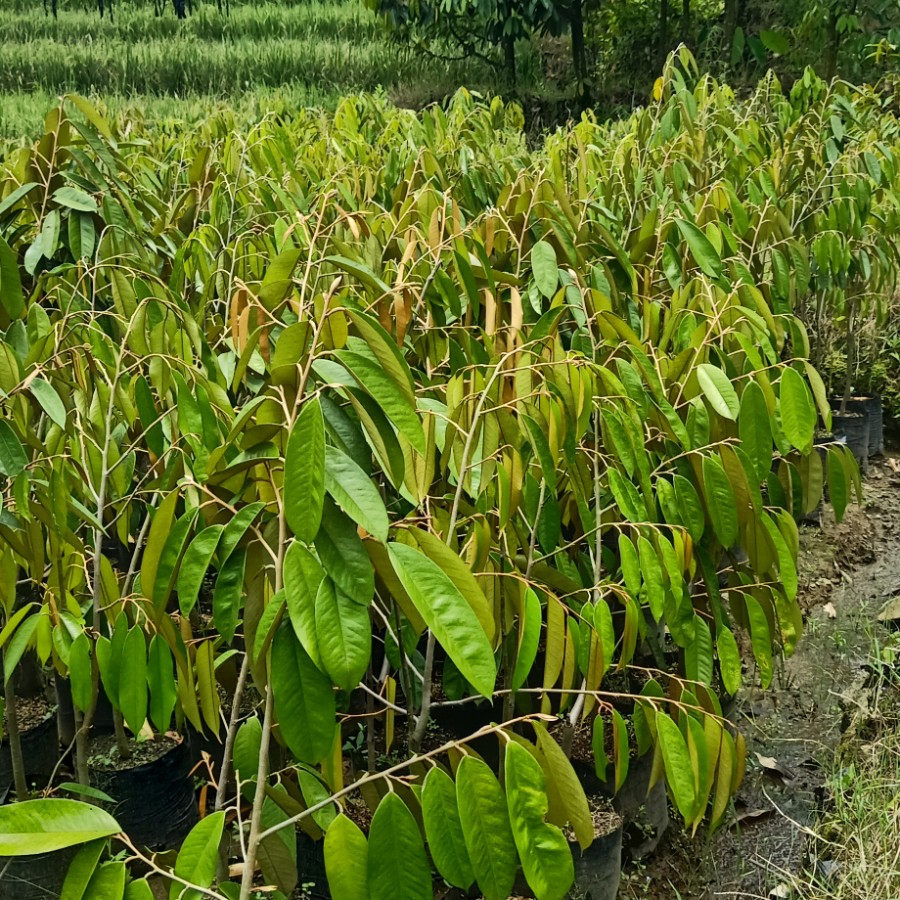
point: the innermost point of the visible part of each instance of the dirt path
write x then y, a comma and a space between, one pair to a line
847, 572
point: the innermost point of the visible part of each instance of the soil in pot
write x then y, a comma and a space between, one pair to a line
853, 427
36, 877
40, 744
154, 790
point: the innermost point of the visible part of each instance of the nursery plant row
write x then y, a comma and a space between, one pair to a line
387, 503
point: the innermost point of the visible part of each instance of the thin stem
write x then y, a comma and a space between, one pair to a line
15, 742
418, 735
233, 720
262, 775
123, 745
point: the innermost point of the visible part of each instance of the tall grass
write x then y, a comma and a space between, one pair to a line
262, 57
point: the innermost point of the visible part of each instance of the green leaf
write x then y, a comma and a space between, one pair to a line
447, 614
316, 791
620, 748
755, 430
138, 890
343, 555
698, 655
73, 198
278, 852
362, 272
631, 565
530, 623
567, 787
388, 394
247, 743
170, 558
679, 772
278, 278
798, 410
689, 506
760, 639
543, 849
156, 541
195, 565
485, 823
71, 787
133, 680
598, 745
304, 701
198, 857
459, 573
153, 432
355, 494
701, 249
236, 529
545, 268
626, 496
347, 860
719, 391
398, 866
107, 881
80, 671
838, 490
161, 680
729, 660
12, 199
12, 457
787, 563
653, 577
82, 235
343, 635
41, 826
12, 299
444, 830
81, 869
724, 779
302, 576
46, 395
304, 472
821, 396
775, 42
228, 592
720, 501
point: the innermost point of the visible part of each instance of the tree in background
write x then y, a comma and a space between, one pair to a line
488, 29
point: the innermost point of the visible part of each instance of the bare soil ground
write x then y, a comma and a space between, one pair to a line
847, 571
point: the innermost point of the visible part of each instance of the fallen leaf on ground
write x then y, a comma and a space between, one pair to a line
891, 611
748, 816
771, 766
830, 611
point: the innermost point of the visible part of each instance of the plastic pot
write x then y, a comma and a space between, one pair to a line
155, 803
40, 752
37, 877
598, 871
853, 427
876, 425
644, 810
311, 867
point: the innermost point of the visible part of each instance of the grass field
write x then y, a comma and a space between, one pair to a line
261, 56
